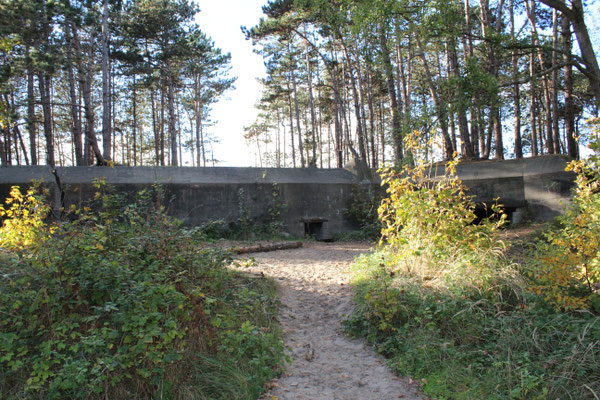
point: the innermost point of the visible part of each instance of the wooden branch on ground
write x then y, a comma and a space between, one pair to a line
259, 248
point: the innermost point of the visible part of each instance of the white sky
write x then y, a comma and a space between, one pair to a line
221, 20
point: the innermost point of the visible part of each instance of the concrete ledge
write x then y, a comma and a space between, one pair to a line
137, 175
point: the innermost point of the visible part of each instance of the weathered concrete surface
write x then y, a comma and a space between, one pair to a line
200, 195
540, 186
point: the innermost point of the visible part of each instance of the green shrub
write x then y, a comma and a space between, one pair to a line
444, 304
566, 266
23, 219
477, 341
121, 304
361, 209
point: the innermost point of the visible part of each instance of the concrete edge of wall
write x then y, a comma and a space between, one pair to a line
181, 175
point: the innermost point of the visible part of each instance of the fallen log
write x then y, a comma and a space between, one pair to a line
260, 248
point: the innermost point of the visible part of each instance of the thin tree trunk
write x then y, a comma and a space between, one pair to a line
162, 123
311, 103
357, 108
44, 86
572, 147
389, 80
76, 123
463, 124
19, 137
374, 157
441, 109
555, 128
493, 67
31, 118
3, 152
135, 123
297, 110
85, 82
155, 128
171, 110
106, 117
516, 87
291, 121
532, 119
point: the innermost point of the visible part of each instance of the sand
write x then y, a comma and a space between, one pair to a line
316, 298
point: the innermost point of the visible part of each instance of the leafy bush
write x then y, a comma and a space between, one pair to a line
445, 305
276, 209
433, 215
566, 269
24, 219
121, 304
362, 209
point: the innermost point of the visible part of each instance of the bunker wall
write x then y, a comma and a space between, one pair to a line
538, 187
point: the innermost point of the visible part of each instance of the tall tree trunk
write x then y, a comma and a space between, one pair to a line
572, 147
19, 137
349, 64
135, 122
162, 123
106, 117
199, 133
171, 110
178, 130
3, 152
374, 158
44, 86
493, 67
547, 102
441, 108
555, 128
85, 81
477, 134
389, 81
463, 124
155, 129
311, 103
403, 71
291, 122
298, 128
516, 87
31, 117
76, 122
532, 117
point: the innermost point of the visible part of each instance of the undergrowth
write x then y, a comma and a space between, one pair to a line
247, 228
446, 305
120, 304
361, 210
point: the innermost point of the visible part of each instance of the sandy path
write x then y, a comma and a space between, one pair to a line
316, 297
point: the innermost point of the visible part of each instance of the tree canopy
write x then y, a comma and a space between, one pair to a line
486, 79
112, 81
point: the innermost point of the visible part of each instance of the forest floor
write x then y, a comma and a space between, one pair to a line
316, 297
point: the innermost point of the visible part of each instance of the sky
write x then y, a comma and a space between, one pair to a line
221, 20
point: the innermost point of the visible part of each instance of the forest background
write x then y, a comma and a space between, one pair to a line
134, 82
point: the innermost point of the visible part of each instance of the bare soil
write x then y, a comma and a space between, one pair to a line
316, 297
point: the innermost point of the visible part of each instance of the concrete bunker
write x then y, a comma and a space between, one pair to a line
316, 199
